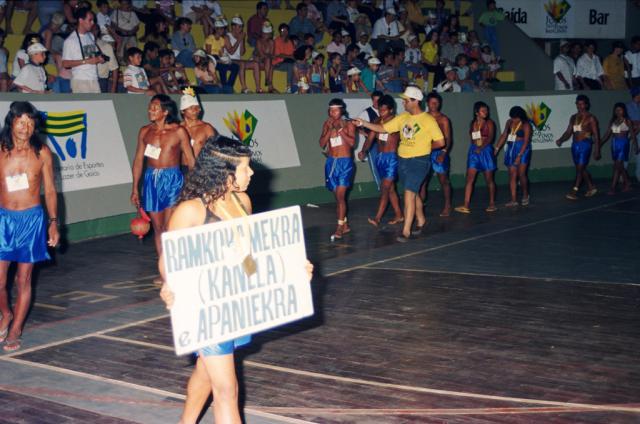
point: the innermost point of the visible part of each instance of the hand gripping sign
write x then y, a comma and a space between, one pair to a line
237, 277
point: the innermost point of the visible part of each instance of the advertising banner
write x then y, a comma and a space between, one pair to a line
549, 116
567, 18
86, 141
262, 125
237, 277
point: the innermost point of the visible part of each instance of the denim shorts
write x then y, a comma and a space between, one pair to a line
413, 171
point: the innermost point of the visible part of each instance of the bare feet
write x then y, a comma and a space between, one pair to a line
374, 222
396, 220
4, 327
446, 212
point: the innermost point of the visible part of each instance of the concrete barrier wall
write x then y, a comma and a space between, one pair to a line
106, 210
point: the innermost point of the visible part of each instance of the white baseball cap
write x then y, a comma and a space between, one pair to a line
391, 11
374, 61
107, 38
200, 53
343, 32
36, 48
187, 100
353, 71
412, 92
267, 28
449, 69
220, 23
237, 20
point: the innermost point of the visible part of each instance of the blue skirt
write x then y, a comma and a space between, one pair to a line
161, 188
620, 149
511, 153
23, 235
482, 161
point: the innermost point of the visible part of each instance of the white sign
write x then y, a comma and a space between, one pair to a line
262, 125
221, 295
568, 18
86, 141
548, 115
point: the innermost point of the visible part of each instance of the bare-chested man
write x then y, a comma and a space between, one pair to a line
337, 139
386, 162
162, 143
199, 131
584, 127
440, 157
26, 164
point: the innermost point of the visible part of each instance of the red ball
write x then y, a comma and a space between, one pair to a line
139, 227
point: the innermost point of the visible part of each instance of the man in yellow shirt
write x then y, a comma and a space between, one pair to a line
419, 134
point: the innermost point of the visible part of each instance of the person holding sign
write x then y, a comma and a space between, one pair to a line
419, 134
622, 130
215, 191
338, 140
481, 156
517, 134
584, 128
161, 145
199, 131
26, 165
386, 162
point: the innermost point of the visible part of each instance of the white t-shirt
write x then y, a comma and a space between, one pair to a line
589, 67
634, 61
32, 76
381, 27
103, 20
366, 49
126, 21
15, 69
564, 65
135, 76
111, 65
71, 51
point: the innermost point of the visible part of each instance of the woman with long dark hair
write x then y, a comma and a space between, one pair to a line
622, 130
214, 191
517, 134
481, 156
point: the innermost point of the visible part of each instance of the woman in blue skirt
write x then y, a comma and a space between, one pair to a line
517, 134
622, 130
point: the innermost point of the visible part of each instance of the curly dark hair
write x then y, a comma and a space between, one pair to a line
518, 112
216, 162
16, 110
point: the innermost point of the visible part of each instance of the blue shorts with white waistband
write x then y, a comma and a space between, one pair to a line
512, 151
481, 161
23, 235
620, 149
338, 172
224, 348
161, 188
387, 165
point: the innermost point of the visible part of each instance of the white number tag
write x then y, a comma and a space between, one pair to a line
577, 128
476, 135
17, 182
383, 136
335, 141
152, 152
615, 130
192, 142
511, 137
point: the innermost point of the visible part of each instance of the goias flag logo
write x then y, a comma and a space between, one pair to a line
73, 125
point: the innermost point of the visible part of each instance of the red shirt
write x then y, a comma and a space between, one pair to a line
254, 27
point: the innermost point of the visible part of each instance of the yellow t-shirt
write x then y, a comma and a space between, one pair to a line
417, 132
429, 52
217, 46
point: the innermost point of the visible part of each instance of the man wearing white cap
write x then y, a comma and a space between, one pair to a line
234, 47
32, 77
263, 53
109, 68
419, 134
450, 84
386, 32
199, 131
564, 68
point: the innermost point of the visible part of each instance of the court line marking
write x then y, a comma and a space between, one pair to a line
482, 274
142, 388
433, 411
391, 385
49, 306
474, 238
84, 336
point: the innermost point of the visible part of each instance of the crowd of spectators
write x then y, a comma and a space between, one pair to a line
375, 45
578, 66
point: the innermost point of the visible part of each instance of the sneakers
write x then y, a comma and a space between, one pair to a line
591, 192
525, 201
572, 195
